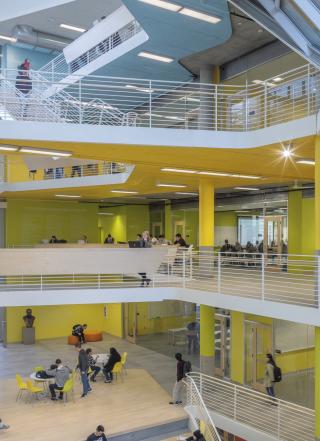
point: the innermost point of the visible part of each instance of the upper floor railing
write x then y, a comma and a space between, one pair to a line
116, 101
279, 419
287, 279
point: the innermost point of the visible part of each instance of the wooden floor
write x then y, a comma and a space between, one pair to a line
139, 401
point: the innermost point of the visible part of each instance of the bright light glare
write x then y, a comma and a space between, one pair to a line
199, 15
72, 28
286, 153
162, 4
155, 57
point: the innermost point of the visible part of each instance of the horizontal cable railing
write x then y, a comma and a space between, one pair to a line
60, 172
101, 100
289, 279
279, 419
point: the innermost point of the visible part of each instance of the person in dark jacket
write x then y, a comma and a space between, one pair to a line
180, 241
98, 435
92, 363
177, 388
78, 331
196, 436
83, 365
23, 86
114, 358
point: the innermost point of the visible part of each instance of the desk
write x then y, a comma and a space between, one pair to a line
172, 334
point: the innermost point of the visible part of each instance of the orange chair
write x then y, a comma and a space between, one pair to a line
91, 336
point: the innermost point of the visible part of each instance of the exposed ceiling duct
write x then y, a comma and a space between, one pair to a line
26, 34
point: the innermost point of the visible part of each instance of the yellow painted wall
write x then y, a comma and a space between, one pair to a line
112, 324
54, 321
159, 324
30, 221
237, 347
226, 219
308, 226
298, 360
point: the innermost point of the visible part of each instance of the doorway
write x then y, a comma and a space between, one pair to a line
274, 235
130, 322
180, 228
222, 345
258, 342
156, 228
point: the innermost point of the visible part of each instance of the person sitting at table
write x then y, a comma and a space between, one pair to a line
98, 435
78, 331
114, 358
180, 241
92, 364
3, 426
109, 239
225, 247
53, 239
61, 375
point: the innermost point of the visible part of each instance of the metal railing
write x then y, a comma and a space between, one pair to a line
58, 67
200, 416
104, 100
289, 279
74, 171
280, 419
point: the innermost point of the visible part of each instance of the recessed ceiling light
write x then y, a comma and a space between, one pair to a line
247, 188
155, 57
199, 15
8, 148
172, 185
106, 214
177, 170
286, 153
12, 39
186, 193
242, 211
213, 173
72, 28
306, 161
36, 151
163, 4
245, 176
124, 191
277, 79
67, 196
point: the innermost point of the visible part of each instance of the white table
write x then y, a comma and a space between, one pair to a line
101, 358
172, 334
44, 381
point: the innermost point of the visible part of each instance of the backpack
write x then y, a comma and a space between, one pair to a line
42, 374
277, 374
186, 368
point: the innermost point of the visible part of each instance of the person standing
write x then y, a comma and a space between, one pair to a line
177, 388
83, 365
92, 364
98, 435
269, 378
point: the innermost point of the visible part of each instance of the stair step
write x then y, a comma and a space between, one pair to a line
154, 433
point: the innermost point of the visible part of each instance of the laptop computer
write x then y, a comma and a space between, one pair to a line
135, 244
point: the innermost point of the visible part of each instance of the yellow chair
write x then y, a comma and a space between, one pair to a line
22, 386
67, 388
124, 361
33, 390
117, 369
38, 369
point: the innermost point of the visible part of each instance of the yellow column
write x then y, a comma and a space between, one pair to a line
206, 243
167, 221
317, 329
294, 221
237, 347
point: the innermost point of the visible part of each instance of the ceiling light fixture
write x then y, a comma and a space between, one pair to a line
36, 151
155, 57
124, 191
286, 153
245, 176
72, 28
200, 15
172, 185
8, 148
247, 188
186, 193
178, 170
106, 214
213, 173
277, 79
73, 196
12, 39
163, 4
242, 211
306, 161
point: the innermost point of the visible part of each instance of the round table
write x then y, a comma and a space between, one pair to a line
101, 359
44, 381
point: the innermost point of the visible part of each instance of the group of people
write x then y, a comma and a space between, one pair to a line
257, 247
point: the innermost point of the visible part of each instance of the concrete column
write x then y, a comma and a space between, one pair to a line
294, 221
206, 242
317, 329
167, 221
205, 116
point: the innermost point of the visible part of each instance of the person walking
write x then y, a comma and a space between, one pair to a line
83, 365
177, 388
269, 378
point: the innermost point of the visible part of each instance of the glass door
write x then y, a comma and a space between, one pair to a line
258, 342
222, 345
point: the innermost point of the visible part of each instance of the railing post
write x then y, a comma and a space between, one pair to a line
219, 272
150, 105
265, 105
235, 404
184, 269
308, 91
262, 276
216, 108
41, 283
278, 420
99, 281
80, 101
246, 108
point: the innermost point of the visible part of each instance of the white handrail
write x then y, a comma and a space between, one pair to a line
278, 418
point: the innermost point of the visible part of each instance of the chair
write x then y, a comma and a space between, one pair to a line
22, 386
38, 369
117, 369
33, 390
124, 362
67, 388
